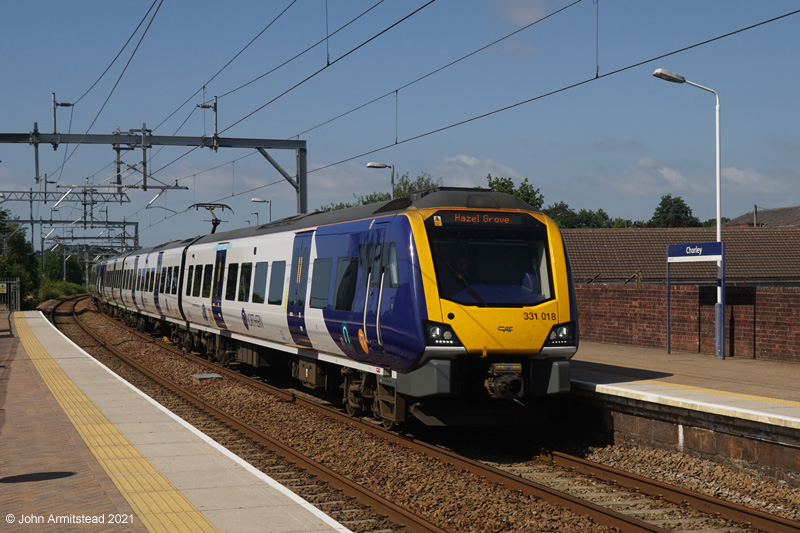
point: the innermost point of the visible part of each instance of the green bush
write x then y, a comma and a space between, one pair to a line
50, 289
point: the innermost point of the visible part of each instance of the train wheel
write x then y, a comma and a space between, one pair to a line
388, 425
353, 408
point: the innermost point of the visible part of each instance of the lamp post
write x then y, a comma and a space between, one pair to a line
719, 315
262, 201
384, 165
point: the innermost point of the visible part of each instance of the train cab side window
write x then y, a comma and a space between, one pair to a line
276, 280
244, 282
233, 276
345, 288
320, 283
198, 281
260, 283
207, 278
189, 281
392, 274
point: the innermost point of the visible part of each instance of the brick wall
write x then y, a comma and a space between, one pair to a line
760, 322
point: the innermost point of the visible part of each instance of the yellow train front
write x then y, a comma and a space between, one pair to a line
502, 321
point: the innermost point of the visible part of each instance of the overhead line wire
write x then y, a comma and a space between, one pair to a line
436, 71
119, 78
259, 77
118, 53
560, 90
529, 100
329, 65
325, 39
226, 65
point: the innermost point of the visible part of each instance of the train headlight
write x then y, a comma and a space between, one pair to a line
438, 334
562, 335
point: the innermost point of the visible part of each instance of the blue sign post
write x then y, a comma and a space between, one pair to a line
702, 252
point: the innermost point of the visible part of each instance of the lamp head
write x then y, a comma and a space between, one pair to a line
665, 74
377, 165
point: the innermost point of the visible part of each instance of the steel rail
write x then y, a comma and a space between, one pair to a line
727, 510
713, 506
412, 522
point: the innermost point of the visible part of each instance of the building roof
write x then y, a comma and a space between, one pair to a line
781, 216
620, 255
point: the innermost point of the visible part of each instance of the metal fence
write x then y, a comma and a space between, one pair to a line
9, 294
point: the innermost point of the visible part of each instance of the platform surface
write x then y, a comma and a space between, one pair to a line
752, 389
81, 450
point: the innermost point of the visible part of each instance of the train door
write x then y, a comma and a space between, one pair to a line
372, 257
218, 283
135, 275
157, 283
298, 284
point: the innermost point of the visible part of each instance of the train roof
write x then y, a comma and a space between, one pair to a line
440, 197
433, 198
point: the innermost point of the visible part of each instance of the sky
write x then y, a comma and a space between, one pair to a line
558, 92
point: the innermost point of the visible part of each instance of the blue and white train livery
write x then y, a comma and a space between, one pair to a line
454, 303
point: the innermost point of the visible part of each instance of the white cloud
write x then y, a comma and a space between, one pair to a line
648, 177
519, 12
468, 171
747, 180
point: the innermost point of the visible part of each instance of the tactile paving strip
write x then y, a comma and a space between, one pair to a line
157, 503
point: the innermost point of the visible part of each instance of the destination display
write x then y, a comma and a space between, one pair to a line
473, 218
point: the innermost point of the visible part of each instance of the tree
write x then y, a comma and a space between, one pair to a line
673, 213
525, 192
18, 259
562, 214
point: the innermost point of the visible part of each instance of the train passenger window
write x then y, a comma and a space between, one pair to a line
189, 281
320, 283
260, 283
207, 277
198, 281
276, 280
345, 288
244, 282
175, 279
233, 276
167, 281
152, 280
163, 280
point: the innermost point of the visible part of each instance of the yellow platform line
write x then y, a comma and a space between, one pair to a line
717, 392
157, 503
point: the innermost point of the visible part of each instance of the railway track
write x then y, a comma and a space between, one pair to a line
606, 496
352, 505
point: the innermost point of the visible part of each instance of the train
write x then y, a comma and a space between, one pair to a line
454, 307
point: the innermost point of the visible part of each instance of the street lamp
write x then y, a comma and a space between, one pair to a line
384, 165
256, 214
677, 78
262, 201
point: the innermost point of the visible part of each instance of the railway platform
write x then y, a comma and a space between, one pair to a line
743, 410
81, 450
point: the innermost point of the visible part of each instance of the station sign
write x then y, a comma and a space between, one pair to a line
694, 252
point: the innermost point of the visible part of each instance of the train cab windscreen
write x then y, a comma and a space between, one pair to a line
490, 260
